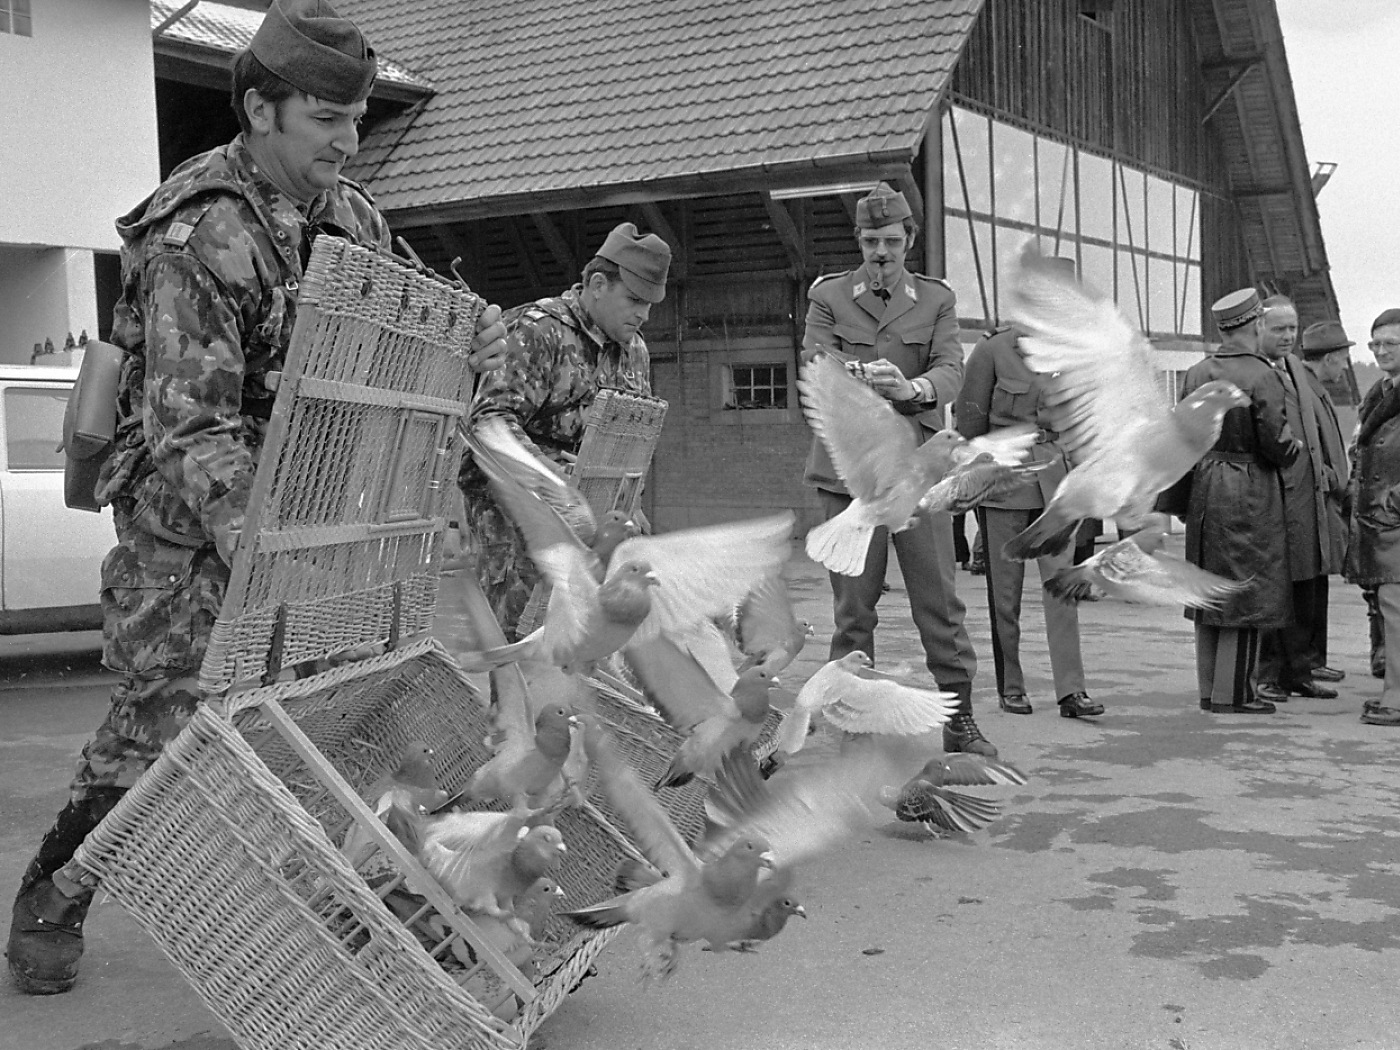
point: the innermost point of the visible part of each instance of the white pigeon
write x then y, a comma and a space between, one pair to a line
857, 699
1126, 443
1132, 570
877, 453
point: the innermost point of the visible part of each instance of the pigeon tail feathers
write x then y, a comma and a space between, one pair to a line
841, 543
1048, 534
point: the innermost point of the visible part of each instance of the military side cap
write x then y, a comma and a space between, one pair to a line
1235, 309
1391, 316
1323, 337
882, 206
643, 261
307, 44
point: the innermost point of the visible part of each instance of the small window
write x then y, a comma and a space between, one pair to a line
15, 18
34, 428
760, 386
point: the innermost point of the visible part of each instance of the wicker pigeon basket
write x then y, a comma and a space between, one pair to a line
227, 850
620, 432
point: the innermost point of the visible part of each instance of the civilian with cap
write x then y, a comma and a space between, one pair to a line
1234, 513
210, 266
1373, 550
1286, 657
1000, 391
898, 331
562, 351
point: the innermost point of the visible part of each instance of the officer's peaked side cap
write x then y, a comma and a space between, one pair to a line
1237, 308
643, 260
882, 206
311, 47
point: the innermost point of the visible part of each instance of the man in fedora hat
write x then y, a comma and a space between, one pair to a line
1234, 516
898, 331
562, 351
210, 266
1312, 492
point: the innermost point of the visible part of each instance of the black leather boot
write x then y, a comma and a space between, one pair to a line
46, 926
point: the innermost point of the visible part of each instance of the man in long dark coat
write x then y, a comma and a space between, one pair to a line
1234, 522
1286, 659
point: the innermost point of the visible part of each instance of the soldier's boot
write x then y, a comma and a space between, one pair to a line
960, 734
46, 926
1377, 625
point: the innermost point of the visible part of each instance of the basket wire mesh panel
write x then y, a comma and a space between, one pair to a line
620, 431
346, 516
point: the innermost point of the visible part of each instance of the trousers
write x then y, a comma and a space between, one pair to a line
1005, 583
925, 554
1225, 663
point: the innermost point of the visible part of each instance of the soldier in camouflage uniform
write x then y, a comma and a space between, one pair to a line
210, 269
562, 351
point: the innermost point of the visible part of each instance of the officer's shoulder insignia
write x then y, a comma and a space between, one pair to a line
931, 280
909, 291
178, 234
827, 277
859, 289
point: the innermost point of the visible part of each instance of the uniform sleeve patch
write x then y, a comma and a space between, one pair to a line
178, 234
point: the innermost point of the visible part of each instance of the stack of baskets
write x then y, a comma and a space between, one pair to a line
227, 850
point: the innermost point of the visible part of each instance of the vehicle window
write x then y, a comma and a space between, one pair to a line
34, 428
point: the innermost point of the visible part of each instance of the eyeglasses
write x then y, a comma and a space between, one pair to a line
1384, 344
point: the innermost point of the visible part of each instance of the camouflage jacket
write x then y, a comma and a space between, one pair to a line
211, 263
557, 360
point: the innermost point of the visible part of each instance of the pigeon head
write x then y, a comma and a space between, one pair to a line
856, 659
415, 767
788, 906
540, 851
553, 726
1200, 414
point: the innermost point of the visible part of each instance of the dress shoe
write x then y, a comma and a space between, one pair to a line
1245, 707
1015, 704
1272, 692
1380, 716
1078, 705
960, 733
1327, 674
1312, 690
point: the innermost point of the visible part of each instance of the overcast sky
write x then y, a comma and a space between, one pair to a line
1345, 63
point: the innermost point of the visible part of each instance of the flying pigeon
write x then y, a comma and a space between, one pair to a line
878, 455
1132, 570
855, 698
926, 800
766, 628
1125, 442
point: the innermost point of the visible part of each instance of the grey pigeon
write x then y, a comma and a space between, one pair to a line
1132, 570
1125, 441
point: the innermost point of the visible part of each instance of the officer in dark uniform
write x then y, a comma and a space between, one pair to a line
999, 391
902, 328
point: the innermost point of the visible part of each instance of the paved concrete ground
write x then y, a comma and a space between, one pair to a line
1168, 879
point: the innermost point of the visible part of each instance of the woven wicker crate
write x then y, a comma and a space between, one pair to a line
227, 851
620, 432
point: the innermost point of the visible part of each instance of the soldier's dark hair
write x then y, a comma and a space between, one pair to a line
606, 267
911, 230
251, 75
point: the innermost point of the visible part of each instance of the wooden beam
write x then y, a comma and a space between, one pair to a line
517, 236
554, 241
1240, 72
788, 234
658, 223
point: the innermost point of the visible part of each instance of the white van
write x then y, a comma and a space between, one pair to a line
50, 556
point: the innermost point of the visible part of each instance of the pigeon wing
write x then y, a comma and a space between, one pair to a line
870, 702
870, 445
1104, 390
704, 573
